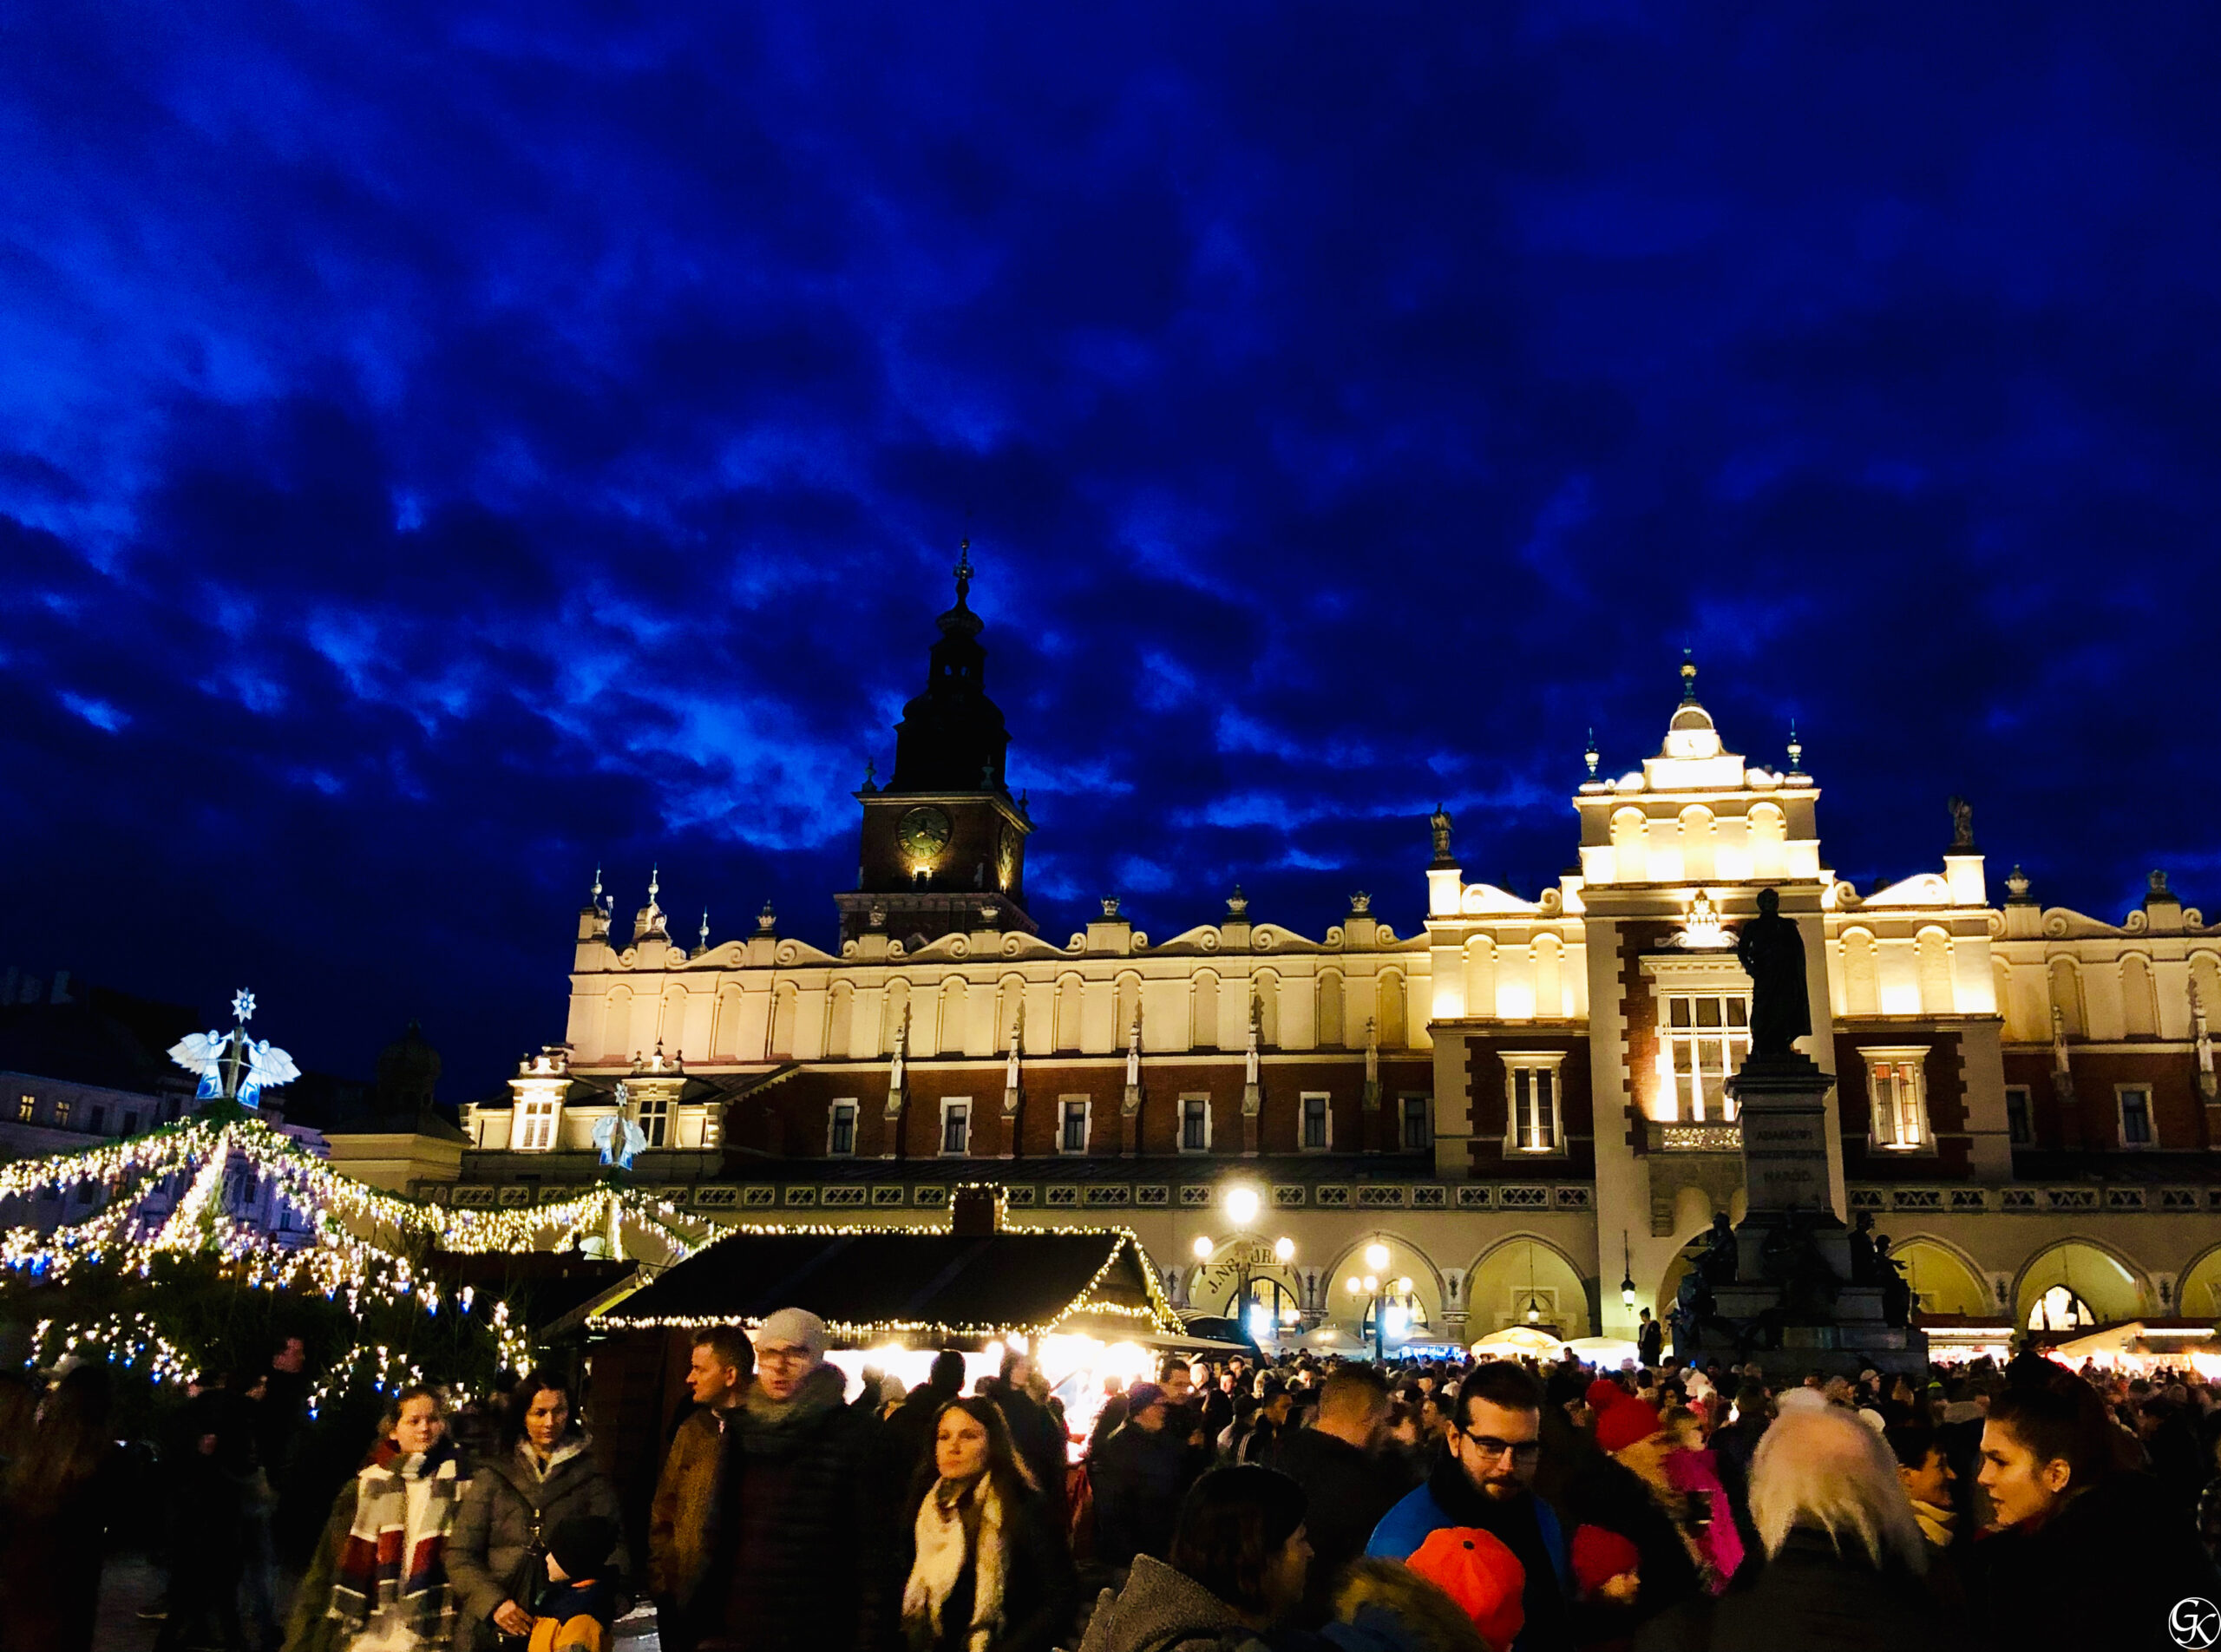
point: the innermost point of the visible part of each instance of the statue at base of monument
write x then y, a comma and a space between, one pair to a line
1863, 1271
1791, 1258
1896, 1292
1772, 951
1717, 1259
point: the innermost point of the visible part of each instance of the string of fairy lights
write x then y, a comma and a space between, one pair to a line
356, 1246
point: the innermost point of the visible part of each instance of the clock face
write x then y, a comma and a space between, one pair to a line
923, 833
1006, 857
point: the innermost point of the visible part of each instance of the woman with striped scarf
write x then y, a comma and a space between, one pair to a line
380, 1581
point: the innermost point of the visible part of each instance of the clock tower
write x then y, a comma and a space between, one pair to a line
943, 842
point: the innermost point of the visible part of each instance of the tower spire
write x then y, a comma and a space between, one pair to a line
963, 570
1688, 677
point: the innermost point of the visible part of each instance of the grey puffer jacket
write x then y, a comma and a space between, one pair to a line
511, 1505
1163, 1611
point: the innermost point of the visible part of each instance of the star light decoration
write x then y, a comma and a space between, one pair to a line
358, 1232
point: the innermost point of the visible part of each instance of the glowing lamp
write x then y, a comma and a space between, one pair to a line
1204, 1247
1354, 1285
1376, 1256
1283, 1250
1241, 1205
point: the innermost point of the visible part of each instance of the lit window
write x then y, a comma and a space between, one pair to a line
62, 1113
2136, 1116
1708, 1035
654, 1117
1418, 1124
1074, 1139
2019, 1124
840, 1141
1896, 1099
536, 1126
24, 1108
1318, 1124
1195, 1124
956, 1127
1533, 1113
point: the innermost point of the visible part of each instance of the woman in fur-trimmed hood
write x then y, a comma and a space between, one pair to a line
498, 1556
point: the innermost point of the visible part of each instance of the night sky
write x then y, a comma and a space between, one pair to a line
445, 447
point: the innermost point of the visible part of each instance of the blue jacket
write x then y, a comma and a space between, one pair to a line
1526, 1525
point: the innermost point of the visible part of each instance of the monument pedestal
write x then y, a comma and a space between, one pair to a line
1792, 1298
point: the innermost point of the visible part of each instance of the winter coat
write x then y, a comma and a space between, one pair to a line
1811, 1597
1139, 1479
1526, 1525
801, 1552
1615, 1496
681, 1521
1162, 1611
1040, 1590
2104, 1570
512, 1507
1039, 1440
1347, 1491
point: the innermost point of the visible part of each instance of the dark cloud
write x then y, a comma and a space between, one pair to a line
448, 450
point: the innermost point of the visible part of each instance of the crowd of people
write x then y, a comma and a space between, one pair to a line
1284, 1505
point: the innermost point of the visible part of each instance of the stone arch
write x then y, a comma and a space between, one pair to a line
1388, 1009
1769, 830
1862, 989
948, 1021
617, 1027
2001, 976
1127, 989
1498, 1279
892, 1013
1700, 841
1071, 995
1480, 977
2139, 999
2067, 996
2198, 1293
1202, 1010
1209, 1286
2205, 977
1932, 953
784, 999
1944, 1278
1329, 1023
724, 1034
1265, 993
1692, 1210
2114, 1287
1406, 1256
1549, 955
1630, 848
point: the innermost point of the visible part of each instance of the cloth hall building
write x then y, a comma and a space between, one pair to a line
1524, 1101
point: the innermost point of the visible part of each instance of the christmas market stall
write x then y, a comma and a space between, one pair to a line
1083, 1302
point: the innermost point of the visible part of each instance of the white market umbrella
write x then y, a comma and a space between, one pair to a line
1604, 1351
1519, 1339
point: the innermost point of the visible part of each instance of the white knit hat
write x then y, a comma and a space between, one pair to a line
797, 1326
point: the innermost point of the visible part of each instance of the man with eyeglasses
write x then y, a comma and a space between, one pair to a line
1487, 1480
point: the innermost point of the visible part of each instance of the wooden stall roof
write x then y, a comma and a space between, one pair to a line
870, 1284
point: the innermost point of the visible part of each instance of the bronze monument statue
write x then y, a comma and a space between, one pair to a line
1772, 952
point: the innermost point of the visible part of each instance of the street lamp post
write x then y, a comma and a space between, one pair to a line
1242, 1208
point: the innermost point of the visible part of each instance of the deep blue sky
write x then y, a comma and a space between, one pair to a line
444, 447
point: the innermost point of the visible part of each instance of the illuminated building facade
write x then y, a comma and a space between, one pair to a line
1522, 1101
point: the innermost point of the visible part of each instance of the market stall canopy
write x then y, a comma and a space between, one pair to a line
1604, 1351
1519, 1339
872, 1285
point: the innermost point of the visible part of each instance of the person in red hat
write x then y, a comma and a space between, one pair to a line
1487, 1481
1633, 1555
1476, 1569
